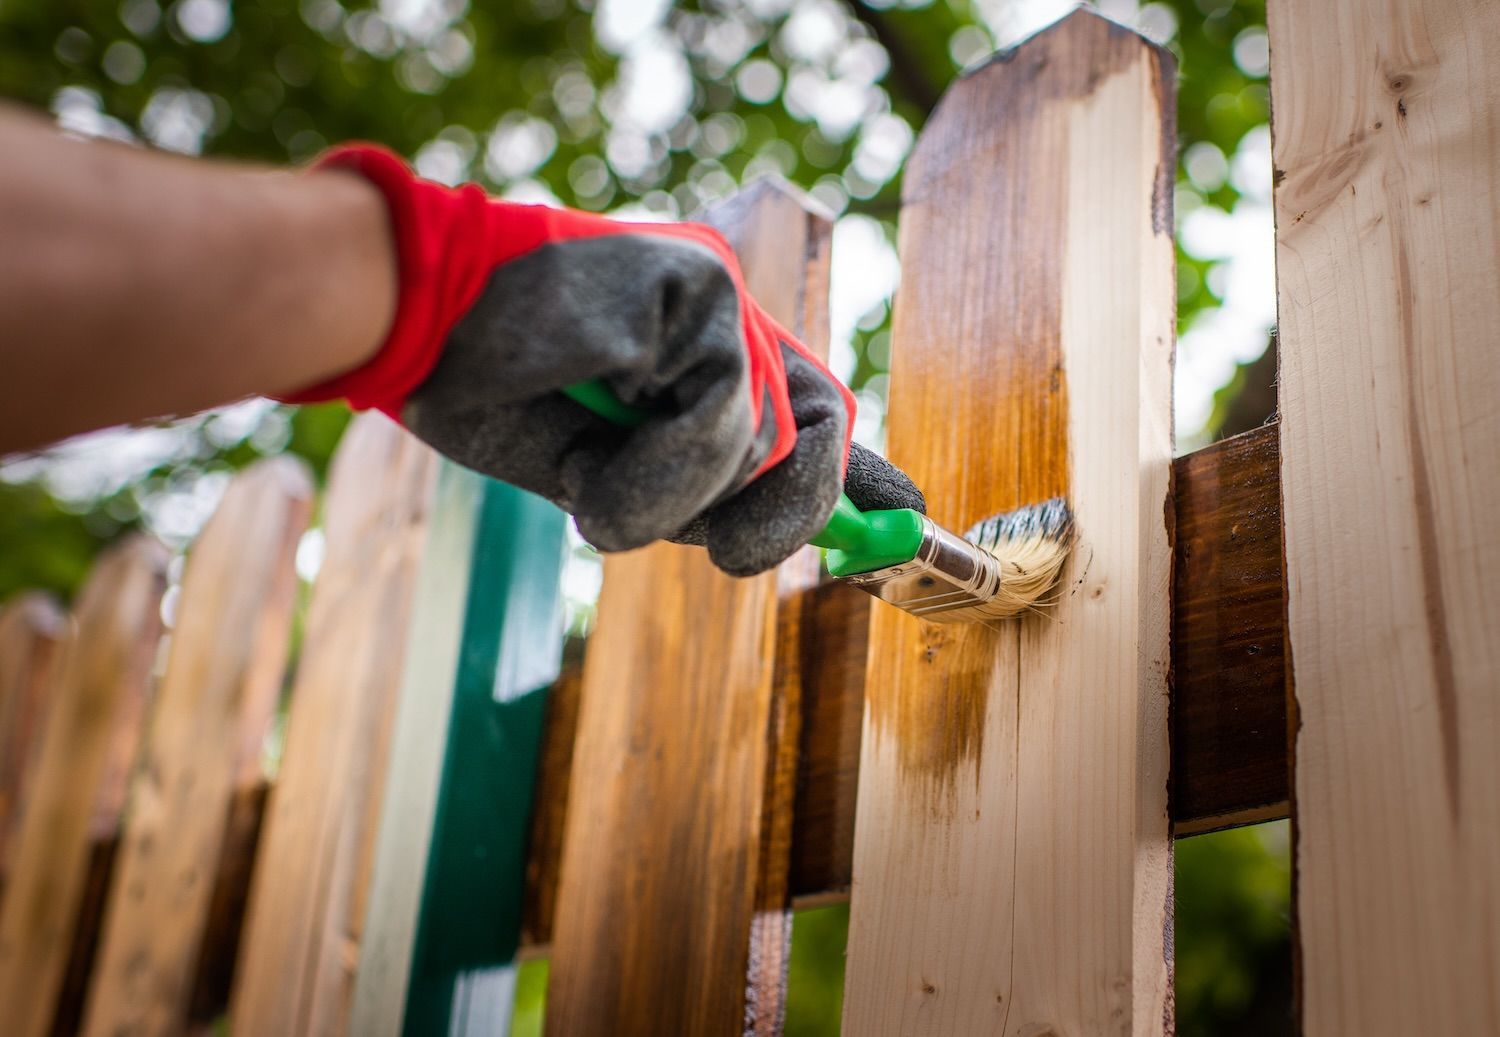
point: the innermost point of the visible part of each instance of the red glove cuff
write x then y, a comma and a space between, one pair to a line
436, 286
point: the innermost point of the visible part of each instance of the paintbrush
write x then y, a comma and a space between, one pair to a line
1001, 568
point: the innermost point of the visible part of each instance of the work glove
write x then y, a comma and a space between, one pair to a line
501, 306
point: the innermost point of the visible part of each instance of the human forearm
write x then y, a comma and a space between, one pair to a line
135, 284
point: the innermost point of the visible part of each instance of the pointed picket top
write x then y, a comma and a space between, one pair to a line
306, 907
1067, 59
32, 627
211, 713
98, 696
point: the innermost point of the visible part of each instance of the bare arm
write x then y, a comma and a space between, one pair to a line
135, 284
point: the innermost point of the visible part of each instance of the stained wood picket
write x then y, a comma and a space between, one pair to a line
1012, 854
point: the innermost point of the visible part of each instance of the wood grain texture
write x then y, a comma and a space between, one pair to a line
1012, 857
31, 630
1229, 727
308, 898
1387, 158
682, 773
221, 933
99, 697
223, 675
770, 221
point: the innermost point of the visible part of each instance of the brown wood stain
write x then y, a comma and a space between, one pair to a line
1012, 847
673, 903
970, 314
1229, 716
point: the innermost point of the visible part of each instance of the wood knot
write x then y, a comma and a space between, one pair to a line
934, 641
1406, 78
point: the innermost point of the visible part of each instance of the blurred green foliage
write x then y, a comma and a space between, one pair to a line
815, 976
542, 95
546, 96
531, 997
1233, 929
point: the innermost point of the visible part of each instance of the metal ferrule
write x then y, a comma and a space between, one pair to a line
949, 581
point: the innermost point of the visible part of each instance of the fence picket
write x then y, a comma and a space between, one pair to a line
1387, 159
1012, 858
101, 689
307, 902
31, 629
684, 765
223, 676
1010, 866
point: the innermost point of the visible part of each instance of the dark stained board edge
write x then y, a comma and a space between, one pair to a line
833, 643
220, 950
1229, 720
85, 942
549, 812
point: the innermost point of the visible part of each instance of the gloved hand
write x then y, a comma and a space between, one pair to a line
502, 305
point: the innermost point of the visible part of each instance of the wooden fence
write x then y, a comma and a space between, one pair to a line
1001, 802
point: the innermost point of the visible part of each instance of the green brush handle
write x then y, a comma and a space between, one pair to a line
863, 541
600, 398
857, 541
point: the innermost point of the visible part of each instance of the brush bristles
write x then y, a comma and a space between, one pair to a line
1031, 544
